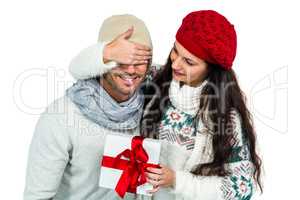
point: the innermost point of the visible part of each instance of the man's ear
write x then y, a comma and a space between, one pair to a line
104, 76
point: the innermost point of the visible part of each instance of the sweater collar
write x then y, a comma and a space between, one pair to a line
186, 98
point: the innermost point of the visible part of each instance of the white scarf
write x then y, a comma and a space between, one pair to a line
186, 98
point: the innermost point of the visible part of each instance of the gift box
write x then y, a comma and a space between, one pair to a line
124, 163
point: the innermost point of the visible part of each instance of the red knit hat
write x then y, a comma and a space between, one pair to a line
209, 36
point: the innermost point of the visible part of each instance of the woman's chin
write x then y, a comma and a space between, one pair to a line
179, 79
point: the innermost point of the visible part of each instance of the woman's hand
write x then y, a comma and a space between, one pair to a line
160, 177
123, 51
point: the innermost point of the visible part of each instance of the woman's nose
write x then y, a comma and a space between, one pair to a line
177, 63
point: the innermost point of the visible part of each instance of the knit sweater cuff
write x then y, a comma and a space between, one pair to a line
197, 187
89, 62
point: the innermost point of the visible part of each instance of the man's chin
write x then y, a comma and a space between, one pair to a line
125, 87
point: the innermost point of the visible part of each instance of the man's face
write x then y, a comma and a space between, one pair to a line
125, 79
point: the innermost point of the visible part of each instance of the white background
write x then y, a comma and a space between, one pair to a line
39, 38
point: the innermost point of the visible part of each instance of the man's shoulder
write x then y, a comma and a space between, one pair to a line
60, 110
59, 106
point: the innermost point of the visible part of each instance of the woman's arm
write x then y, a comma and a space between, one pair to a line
89, 62
236, 186
103, 56
239, 185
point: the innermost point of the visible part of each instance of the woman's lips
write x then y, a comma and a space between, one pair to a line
178, 73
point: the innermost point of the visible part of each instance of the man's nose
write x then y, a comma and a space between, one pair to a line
131, 69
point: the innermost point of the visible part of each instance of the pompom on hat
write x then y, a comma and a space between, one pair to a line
209, 36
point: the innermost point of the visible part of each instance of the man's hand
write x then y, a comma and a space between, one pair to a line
123, 51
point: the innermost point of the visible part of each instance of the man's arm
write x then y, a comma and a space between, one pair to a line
48, 157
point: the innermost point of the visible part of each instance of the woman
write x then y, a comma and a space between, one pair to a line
199, 110
203, 110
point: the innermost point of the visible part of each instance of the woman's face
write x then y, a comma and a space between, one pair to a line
186, 67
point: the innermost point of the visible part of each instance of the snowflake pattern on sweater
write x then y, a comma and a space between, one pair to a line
179, 127
239, 185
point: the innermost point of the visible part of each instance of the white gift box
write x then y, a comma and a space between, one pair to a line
114, 145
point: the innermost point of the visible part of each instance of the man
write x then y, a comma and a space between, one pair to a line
68, 143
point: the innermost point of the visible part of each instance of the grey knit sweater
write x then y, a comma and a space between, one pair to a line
64, 156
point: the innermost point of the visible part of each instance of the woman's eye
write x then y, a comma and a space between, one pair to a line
188, 62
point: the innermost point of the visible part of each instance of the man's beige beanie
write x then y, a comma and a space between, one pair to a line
118, 24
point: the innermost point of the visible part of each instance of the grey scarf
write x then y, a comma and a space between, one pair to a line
97, 105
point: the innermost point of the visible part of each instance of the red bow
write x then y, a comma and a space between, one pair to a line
133, 169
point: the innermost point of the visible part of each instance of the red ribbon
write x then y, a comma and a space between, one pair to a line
133, 169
